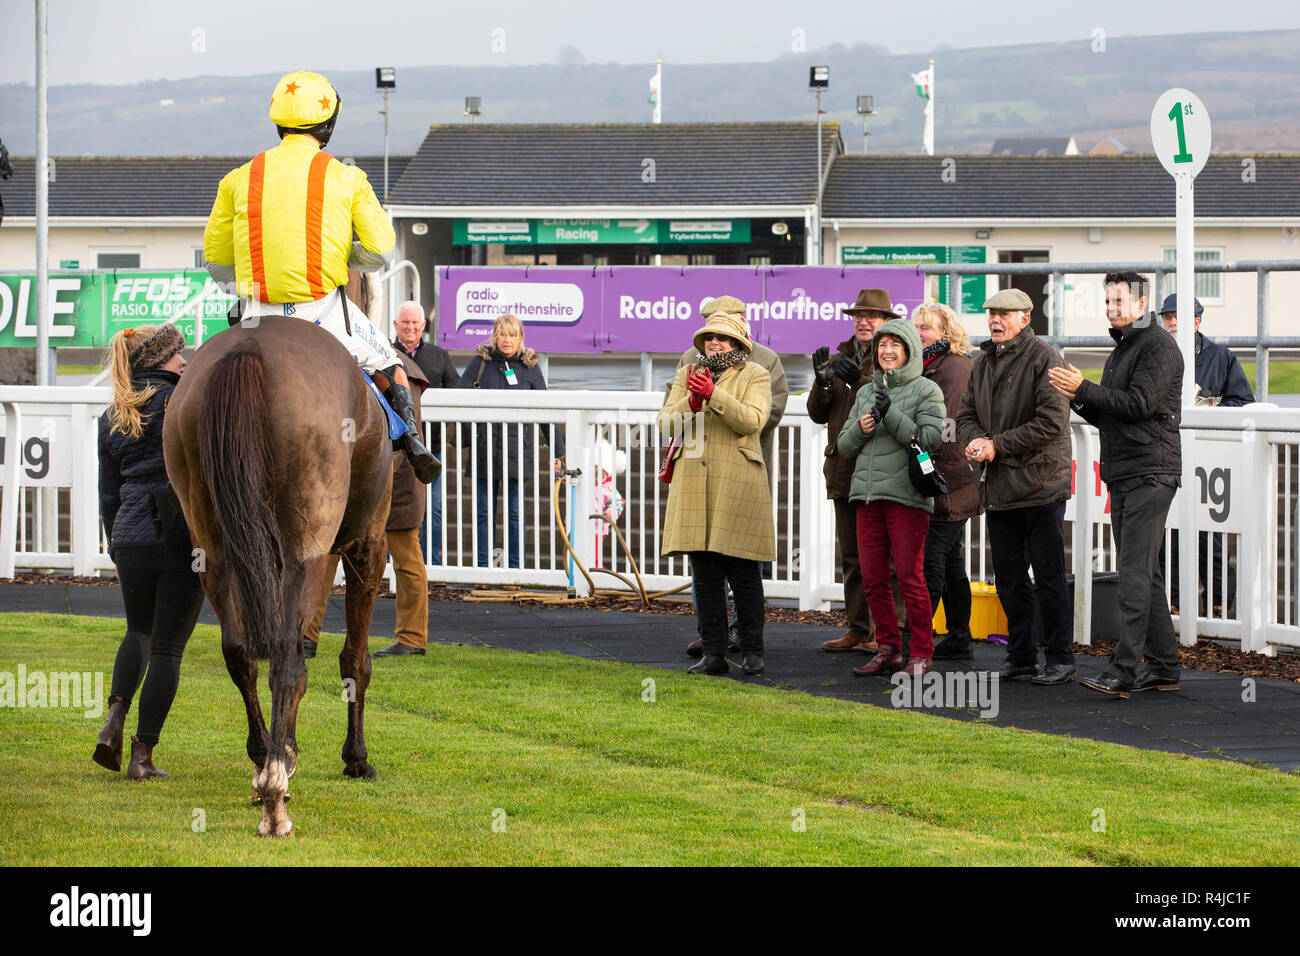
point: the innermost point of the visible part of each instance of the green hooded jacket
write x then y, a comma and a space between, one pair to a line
880, 472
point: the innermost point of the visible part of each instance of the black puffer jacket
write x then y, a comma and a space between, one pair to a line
487, 369
1137, 407
130, 469
1220, 374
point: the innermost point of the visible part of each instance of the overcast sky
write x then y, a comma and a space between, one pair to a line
127, 41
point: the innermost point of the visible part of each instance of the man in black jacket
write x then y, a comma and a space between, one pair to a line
441, 373
1137, 409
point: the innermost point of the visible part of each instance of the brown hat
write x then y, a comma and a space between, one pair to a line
872, 300
725, 314
151, 348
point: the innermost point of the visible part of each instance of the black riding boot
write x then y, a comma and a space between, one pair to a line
426, 467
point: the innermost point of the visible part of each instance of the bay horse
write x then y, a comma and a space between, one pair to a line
279, 456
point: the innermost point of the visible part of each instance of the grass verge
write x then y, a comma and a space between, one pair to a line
574, 766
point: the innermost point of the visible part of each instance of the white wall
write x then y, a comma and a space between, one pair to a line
1083, 297
170, 247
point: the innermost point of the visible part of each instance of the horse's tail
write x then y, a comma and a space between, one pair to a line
235, 446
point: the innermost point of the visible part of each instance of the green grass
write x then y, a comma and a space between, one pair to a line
586, 772
70, 368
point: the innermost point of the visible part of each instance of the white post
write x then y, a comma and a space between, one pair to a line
1257, 533
929, 116
385, 146
1185, 286
42, 207
13, 477
812, 504
1082, 535
84, 499
579, 454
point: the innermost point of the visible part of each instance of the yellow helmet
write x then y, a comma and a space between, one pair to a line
304, 101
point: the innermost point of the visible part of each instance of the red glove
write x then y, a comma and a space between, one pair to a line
700, 382
695, 402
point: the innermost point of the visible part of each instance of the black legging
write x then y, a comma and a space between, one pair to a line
163, 598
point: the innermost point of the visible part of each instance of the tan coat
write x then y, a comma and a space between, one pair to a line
764, 356
719, 499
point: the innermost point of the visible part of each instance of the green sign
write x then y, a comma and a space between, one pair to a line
69, 263
88, 308
973, 288
599, 232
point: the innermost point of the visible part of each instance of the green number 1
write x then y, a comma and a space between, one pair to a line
1176, 114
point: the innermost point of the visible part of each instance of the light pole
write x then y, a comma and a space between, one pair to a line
386, 80
819, 78
473, 108
865, 109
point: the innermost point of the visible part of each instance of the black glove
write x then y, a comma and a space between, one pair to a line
820, 359
845, 369
881, 408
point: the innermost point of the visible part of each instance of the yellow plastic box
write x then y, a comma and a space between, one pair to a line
986, 614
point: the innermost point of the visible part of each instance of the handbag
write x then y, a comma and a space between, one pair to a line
922, 471
666, 469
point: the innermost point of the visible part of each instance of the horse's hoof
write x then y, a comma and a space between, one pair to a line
284, 829
360, 769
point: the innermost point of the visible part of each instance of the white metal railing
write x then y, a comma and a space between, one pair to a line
1250, 491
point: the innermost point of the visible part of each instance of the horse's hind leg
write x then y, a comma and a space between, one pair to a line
242, 665
288, 683
364, 566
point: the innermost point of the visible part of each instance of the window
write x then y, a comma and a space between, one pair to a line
1209, 285
117, 260
199, 261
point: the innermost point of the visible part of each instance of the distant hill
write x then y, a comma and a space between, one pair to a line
1250, 82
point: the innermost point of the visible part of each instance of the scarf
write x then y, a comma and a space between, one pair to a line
719, 363
933, 351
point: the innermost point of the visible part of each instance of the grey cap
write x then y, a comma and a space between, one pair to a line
1010, 300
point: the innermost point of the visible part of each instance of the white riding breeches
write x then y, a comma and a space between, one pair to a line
371, 350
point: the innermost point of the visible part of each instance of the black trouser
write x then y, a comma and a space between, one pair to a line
711, 572
163, 598
1021, 538
1212, 580
945, 574
1138, 509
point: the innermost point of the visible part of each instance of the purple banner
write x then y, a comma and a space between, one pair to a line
657, 309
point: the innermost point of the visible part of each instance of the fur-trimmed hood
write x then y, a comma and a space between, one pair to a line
490, 353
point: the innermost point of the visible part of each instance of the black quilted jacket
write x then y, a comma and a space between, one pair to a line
131, 468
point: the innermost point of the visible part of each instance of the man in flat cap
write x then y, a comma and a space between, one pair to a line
836, 380
1016, 429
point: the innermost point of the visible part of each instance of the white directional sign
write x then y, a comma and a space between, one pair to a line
1180, 132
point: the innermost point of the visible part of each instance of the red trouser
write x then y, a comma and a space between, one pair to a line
887, 529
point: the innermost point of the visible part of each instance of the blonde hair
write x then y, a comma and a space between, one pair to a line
949, 326
124, 412
508, 321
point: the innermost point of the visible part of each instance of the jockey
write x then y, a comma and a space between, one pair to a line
282, 227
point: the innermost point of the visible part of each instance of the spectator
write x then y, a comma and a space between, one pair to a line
404, 514
764, 356
1220, 380
898, 406
147, 540
945, 355
719, 503
1015, 425
836, 382
1137, 409
440, 372
505, 364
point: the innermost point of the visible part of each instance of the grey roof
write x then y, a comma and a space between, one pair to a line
602, 164
1030, 145
143, 185
906, 187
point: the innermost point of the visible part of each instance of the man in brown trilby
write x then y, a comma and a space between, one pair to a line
836, 383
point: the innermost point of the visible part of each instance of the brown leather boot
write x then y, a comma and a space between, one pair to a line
887, 660
141, 766
848, 642
108, 748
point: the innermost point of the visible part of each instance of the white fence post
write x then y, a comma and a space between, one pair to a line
12, 488
84, 495
1256, 562
1083, 533
579, 454
813, 561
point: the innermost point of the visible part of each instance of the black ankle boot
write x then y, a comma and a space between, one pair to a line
426, 467
709, 664
108, 748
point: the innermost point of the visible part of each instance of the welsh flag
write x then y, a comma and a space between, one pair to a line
654, 90
923, 81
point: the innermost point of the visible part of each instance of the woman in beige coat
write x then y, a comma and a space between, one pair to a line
719, 504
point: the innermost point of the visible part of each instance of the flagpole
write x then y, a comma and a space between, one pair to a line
657, 116
929, 116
